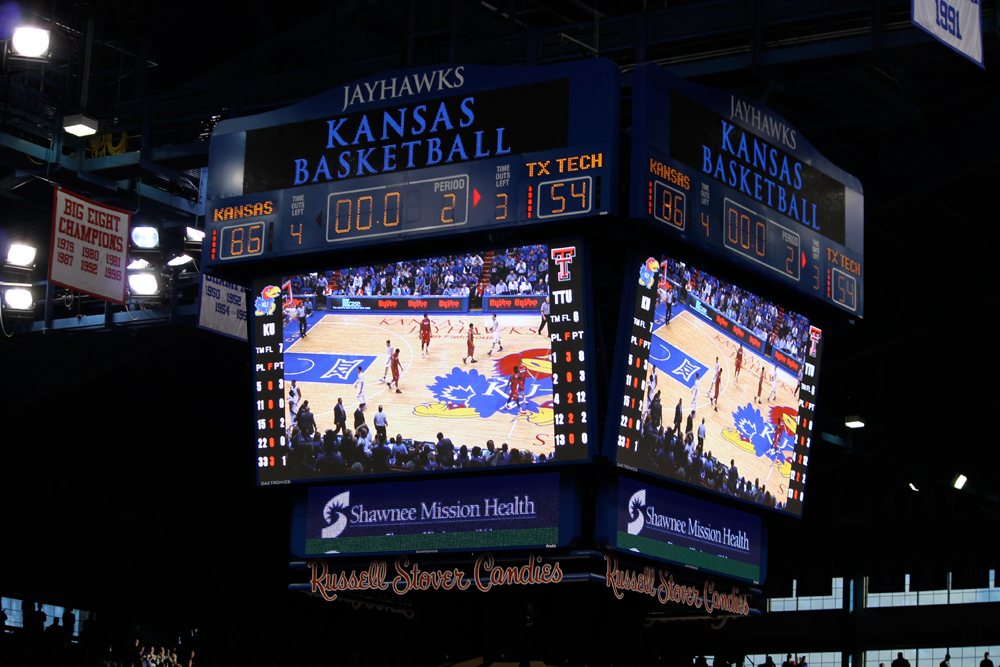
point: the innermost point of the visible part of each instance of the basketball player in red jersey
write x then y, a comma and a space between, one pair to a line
514, 388
425, 337
470, 344
395, 370
760, 383
739, 363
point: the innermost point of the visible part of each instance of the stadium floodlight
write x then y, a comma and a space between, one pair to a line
21, 256
79, 125
143, 283
914, 486
29, 42
960, 482
138, 264
18, 299
854, 421
180, 260
146, 237
193, 239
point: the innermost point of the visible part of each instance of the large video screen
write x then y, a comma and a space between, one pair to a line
459, 362
718, 387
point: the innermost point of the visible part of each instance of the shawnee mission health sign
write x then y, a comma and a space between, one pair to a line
510, 511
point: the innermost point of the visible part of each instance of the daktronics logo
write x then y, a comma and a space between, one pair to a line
563, 257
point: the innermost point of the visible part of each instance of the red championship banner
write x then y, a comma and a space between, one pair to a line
89, 249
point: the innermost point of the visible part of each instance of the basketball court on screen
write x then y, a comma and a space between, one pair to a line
467, 402
742, 429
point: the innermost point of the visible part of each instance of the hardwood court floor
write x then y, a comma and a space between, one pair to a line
417, 412
704, 343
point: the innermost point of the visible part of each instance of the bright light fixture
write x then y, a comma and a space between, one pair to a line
18, 298
80, 125
195, 235
139, 264
21, 255
960, 482
179, 260
143, 284
914, 487
146, 237
30, 42
854, 421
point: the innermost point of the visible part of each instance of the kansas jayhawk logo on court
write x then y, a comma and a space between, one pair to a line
773, 437
463, 394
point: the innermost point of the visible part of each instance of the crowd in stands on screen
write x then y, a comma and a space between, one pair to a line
521, 270
782, 328
362, 451
685, 456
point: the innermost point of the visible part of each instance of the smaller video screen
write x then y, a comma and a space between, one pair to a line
717, 386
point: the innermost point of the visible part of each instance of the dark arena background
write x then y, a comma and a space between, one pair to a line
637, 191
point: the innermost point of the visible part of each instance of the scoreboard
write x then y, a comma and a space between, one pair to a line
412, 154
726, 173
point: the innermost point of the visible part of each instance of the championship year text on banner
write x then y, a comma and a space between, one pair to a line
222, 307
958, 24
414, 153
89, 249
730, 175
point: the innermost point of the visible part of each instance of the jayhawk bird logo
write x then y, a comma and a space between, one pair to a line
265, 303
647, 272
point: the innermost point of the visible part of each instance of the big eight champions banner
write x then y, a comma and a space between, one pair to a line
89, 250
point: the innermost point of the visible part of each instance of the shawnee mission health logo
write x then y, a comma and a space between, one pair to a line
636, 505
336, 520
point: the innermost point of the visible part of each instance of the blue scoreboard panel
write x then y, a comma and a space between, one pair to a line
726, 173
414, 153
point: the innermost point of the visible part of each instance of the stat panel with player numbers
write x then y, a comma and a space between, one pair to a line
413, 154
525, 386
